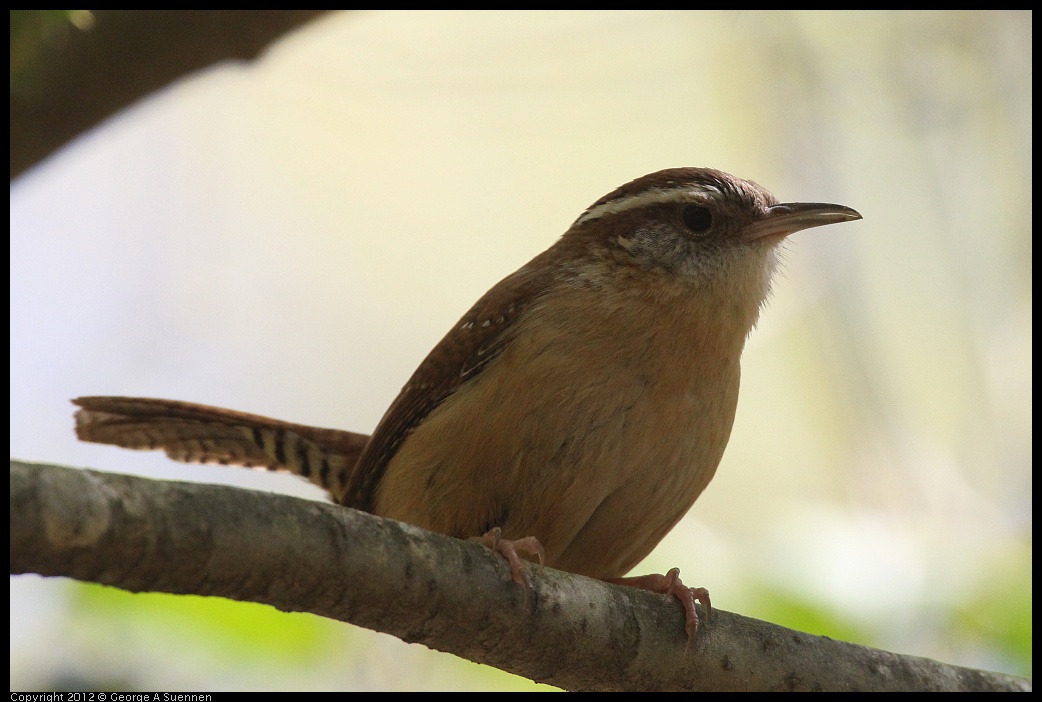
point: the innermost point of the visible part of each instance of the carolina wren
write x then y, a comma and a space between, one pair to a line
585, 400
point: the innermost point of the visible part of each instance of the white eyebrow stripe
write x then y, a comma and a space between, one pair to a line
646, 197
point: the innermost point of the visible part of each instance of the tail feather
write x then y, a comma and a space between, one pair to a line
195, 433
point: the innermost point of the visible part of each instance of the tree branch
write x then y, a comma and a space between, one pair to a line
62, 86
298, 555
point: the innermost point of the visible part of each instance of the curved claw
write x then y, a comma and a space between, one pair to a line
509, 548
671, 584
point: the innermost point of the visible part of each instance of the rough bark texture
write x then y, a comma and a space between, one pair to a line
298, 555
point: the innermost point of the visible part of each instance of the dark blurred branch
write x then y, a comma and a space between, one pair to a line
66, 80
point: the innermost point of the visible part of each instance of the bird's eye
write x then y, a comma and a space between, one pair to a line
697, 218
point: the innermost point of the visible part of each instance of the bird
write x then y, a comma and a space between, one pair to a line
574, 413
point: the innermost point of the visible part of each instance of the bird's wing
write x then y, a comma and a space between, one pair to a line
478, 337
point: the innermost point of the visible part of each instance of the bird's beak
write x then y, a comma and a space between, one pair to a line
789, 217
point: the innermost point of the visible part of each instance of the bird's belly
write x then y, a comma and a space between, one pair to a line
598, 466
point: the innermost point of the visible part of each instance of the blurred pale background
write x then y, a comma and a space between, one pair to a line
292, 237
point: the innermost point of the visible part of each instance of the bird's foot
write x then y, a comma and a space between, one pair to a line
670, 584
509, 549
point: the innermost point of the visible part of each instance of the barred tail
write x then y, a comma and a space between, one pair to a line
202, 434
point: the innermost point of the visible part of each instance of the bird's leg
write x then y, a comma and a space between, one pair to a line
509, 548
670, 584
